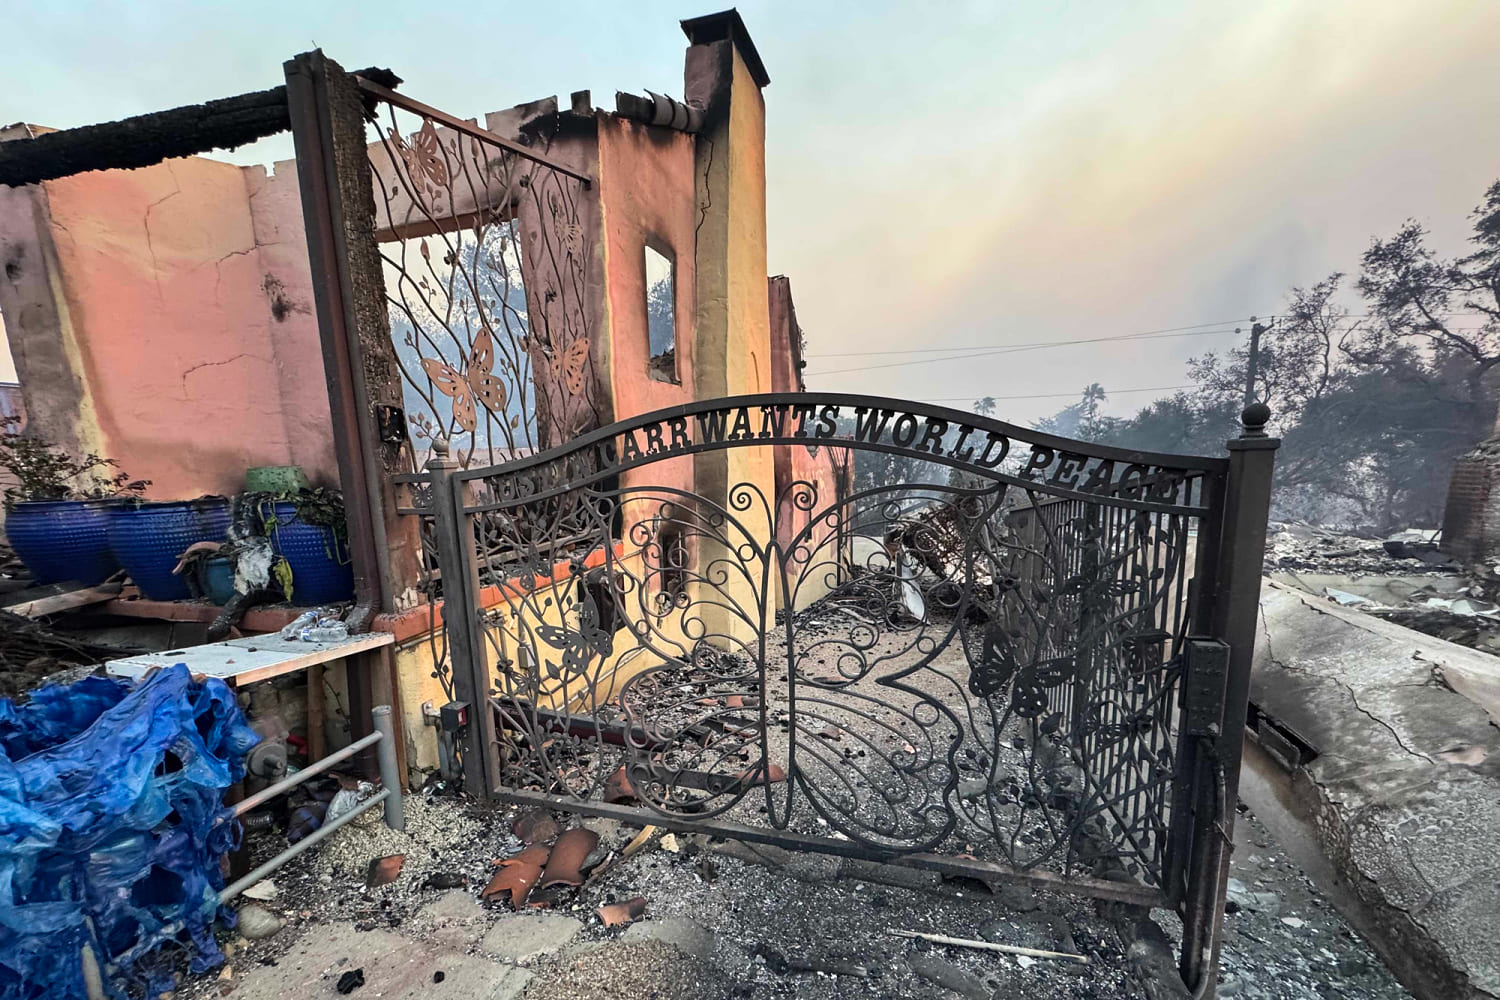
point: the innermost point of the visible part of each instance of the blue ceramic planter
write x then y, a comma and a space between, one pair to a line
217, 577
147, 538
322, 572
62, 539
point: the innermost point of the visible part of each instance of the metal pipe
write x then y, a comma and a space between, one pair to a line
468, 128
291, 852
310, 771
390, 776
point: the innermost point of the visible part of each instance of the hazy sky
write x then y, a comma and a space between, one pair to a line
945, 174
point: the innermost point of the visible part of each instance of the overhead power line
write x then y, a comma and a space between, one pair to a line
1016, 348
1060, 395
986, 347
985, 351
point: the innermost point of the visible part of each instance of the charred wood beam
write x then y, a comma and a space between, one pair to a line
147, 139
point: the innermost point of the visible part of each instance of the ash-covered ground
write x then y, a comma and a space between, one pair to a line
726, 919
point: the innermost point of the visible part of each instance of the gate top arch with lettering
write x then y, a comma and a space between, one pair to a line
993, 449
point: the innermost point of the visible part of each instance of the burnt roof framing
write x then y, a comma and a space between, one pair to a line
143, 140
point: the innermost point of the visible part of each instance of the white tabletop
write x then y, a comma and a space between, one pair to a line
246, 661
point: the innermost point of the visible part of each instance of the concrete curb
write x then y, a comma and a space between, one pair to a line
1398, 811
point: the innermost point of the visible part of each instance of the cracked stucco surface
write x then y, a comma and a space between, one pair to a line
146, 329
1416, 834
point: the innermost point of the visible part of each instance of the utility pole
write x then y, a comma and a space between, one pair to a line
1253, 366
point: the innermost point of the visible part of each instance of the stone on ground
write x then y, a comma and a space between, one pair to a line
520, 937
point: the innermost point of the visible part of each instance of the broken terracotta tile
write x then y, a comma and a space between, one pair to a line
568, 854
536, 854
384, 871
535, 827
512, 881
617, 787
766, 772
615, 914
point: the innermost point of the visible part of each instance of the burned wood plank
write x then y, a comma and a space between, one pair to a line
52, 599
143, 140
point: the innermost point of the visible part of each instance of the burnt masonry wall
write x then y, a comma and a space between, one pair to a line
1471, 519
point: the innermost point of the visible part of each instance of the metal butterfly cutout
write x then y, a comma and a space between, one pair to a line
476, 381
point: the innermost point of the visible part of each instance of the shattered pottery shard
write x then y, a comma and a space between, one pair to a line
535, 827
513, 881
537, 855
768, 772
568, 854
616, 914
617, 787
384, 871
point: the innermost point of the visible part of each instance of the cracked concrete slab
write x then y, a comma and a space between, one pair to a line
521, 937
394, 967
1404, 794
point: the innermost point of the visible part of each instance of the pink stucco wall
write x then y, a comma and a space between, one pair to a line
646, 187
190, 370
291, 322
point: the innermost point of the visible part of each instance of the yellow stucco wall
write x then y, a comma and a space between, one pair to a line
734, 323
518, 619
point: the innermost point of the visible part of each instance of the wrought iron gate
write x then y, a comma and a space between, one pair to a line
847, 624
987, 651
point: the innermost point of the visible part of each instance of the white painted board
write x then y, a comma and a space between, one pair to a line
249, 660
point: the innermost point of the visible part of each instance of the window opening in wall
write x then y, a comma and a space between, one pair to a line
661, 318
12, 413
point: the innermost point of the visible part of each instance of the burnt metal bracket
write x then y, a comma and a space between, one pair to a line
1203, 687
391, 421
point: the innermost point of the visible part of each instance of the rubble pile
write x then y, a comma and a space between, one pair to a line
1404, 579
1294, 546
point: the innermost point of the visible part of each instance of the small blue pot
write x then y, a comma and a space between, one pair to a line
322, 571
217, 577
147, 538
63, 539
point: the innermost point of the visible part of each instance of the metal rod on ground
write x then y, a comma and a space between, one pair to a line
310, 771
390, 777
1009, 949
291, 852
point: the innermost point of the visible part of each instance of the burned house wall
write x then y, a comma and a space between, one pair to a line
825, 469
292, 329
646, 190
149, 331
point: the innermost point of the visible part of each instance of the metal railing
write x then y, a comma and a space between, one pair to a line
383, 740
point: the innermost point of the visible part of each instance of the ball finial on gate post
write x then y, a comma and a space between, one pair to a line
440, 447
1253, 420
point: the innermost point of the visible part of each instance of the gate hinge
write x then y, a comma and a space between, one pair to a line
1207, 671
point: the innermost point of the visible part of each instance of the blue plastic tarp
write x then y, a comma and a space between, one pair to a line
112, 827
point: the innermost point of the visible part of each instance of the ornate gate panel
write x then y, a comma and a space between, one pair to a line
984, 651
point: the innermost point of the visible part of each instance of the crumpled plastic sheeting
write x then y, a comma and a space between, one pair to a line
55, 714
112, 834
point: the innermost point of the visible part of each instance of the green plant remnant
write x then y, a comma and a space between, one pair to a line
282, 571
44, 471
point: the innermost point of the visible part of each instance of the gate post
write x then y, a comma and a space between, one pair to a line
461, 610
359, 361
1236, 610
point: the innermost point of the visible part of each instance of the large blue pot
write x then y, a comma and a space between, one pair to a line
147, 538
62, 539
322, 571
